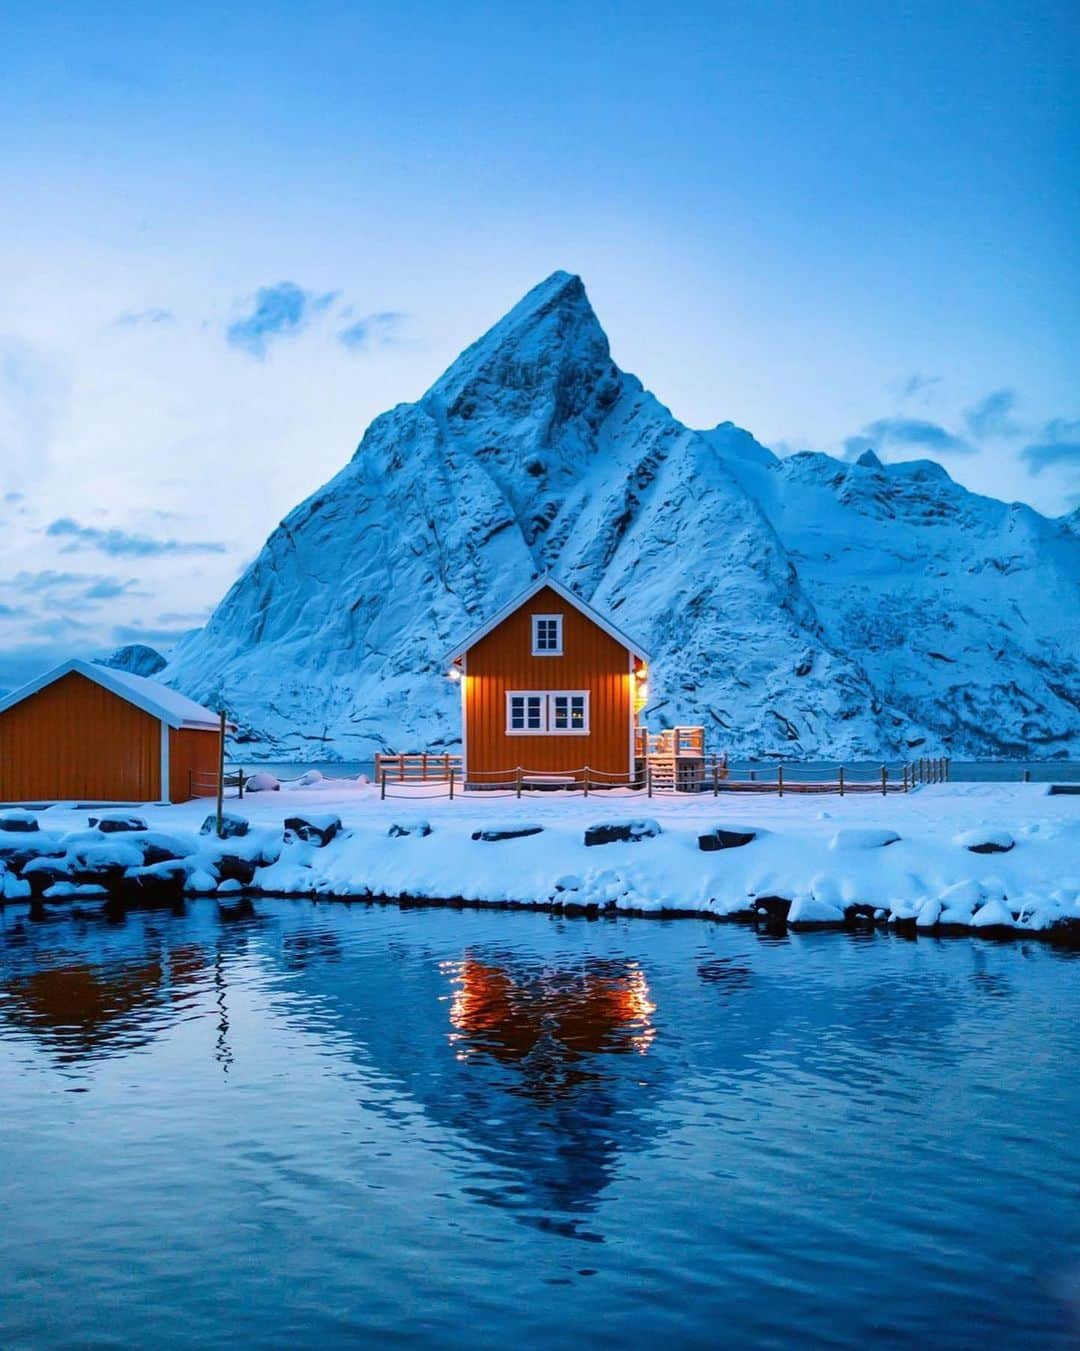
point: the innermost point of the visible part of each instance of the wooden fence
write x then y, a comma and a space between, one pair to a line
444, 774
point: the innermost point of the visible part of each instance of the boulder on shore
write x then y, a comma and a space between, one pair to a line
317, 830
117, 822
866, 837
627, 832
492, 834
231, 826
726, 837
19, 822
984, 841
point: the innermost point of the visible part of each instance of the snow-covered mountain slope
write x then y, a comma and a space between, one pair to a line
963, 609
793, 606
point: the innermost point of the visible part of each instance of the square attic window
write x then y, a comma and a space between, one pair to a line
547, 635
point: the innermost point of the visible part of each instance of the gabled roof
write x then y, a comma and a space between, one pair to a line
567, 595
150, 695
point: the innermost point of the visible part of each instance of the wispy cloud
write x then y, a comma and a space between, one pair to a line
276, 311
905, 433
120, 543
1042, 455
373, 330
992, 416
108, 588
150, 635
31, 583
141, 318
917, 385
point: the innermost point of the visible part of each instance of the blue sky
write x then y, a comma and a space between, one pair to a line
229, 239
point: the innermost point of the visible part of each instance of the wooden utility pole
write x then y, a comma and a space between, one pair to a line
221, 777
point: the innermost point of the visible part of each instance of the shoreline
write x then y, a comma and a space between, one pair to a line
1064, 935
953, 859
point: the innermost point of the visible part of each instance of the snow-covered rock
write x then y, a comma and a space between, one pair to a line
985, 841
16, 821
232, 826
318, 830
813, 910
117, 823
993, 915
866, 838
802, 606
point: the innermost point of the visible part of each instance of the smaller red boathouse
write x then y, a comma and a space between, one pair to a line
90, 733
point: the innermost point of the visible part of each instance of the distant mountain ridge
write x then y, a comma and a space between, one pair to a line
797, 607
137, 658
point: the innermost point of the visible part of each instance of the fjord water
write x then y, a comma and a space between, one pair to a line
345, 1124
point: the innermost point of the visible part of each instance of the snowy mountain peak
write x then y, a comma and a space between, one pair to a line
797, 606
868, 460
550, 340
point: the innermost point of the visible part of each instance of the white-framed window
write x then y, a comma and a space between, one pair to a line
547, 635
547, 712
526, 711
569, 712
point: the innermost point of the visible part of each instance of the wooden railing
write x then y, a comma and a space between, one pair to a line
420, 767
204, 782
678, 741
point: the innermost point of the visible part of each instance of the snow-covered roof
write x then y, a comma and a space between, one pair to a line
567, 595
150, 695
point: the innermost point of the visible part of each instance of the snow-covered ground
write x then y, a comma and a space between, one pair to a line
821, 854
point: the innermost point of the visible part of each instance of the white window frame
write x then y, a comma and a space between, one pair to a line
547, 713
583, 695
537, 650
511, 695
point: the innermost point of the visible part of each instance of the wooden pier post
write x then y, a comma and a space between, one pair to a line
648, 778
517, 780
841, 776
780, 780
585, 779
382, 786
452, 772
884, 781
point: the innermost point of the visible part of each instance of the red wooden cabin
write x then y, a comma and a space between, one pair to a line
551, 687
86, 732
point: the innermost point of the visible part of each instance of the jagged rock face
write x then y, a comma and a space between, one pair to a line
136, 658
788, 604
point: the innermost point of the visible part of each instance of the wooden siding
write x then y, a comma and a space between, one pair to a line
74, 739
192, 750
503, 660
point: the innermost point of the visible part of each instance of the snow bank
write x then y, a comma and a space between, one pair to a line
904, 859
